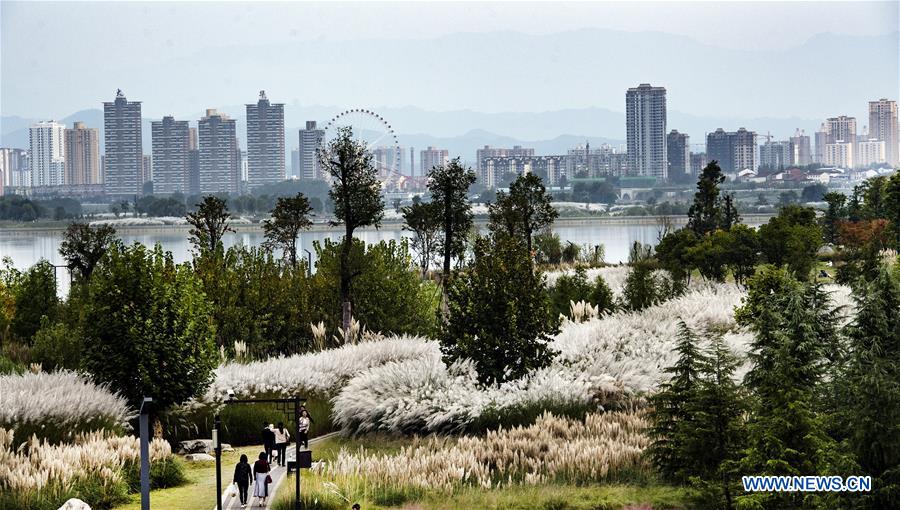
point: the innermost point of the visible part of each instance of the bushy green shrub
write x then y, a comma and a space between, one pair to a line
388, 294
576, 287
56, 346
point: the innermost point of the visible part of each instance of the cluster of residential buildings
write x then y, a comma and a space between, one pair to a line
207, 158
183, 159
665, 156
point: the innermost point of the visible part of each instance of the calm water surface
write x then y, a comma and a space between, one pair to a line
27, 247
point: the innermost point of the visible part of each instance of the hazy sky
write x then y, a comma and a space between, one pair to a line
47, 50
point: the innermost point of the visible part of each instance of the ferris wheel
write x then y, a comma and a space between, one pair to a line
373, 131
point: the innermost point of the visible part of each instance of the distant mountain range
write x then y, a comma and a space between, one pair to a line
462, 132
577, 78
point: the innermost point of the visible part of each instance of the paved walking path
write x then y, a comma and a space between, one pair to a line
278, 474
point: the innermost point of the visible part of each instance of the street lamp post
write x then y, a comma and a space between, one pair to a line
218, 449
144, 426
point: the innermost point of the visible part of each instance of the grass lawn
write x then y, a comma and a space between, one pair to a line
199, 493
551, 496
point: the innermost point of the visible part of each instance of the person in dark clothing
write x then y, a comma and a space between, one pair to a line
268, 437
243, 476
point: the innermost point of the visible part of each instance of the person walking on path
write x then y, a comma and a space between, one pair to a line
282, 438
268, 437
243, 477
261, 471
303, 428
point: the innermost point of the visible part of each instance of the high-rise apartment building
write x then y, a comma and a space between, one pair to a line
47, 153
14, 170
734, 151
645, 122
498, 152
840, 154
870, 152
123, 164
82, 155
219, 157
841, 129
171, 155
309, 157
883, 126
265, 142
295, 164
432, 157
775, 155
822, 137
678, 154
800, 149
698, 163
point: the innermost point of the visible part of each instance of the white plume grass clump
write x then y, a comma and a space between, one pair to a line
322, 372
601, 362
91, 456
552, 449
62, 399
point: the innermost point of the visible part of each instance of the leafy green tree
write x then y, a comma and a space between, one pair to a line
356, 193
289, 217
449, 186
833, 215
389, 295
741, 255
83, 246
892, 207
710, 254
209, 224
874, 193
525, 210
500, 313
705, 215
786, 198
813, 192
147, 330
791, 239
672, 413
35, 298
674, 254
424, 221
761, 200
872, 379
259, 301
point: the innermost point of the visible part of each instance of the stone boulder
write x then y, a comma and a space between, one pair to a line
75, 504
201, 446
199, 457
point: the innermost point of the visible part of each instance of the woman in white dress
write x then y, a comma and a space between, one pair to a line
261, 471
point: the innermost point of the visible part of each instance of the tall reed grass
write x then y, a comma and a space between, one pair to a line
98, 468
58, 406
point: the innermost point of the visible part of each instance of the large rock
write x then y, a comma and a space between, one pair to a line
201, 446
75, 504
199, 457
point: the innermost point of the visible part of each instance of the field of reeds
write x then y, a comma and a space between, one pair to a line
98, 467
553, 451
58, 406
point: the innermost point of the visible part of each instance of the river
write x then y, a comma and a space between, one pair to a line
27, 246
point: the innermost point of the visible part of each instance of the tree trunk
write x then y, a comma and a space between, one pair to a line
345, 279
